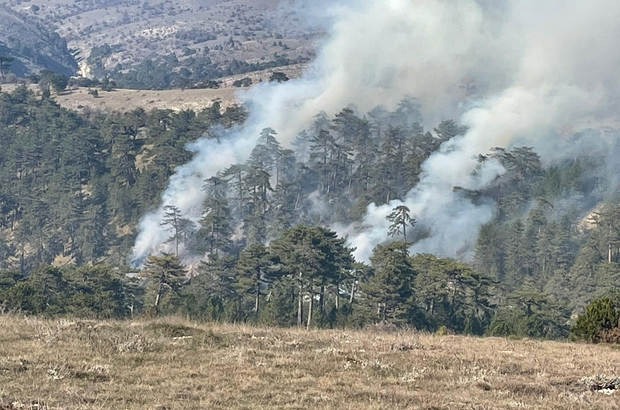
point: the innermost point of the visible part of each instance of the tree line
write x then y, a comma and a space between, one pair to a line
167, 71
306, 277
74, 186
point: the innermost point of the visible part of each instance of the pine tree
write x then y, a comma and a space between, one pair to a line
489, 251
315, 258
321, 150
214, 235
253, 272
515, 252
400, 220
166, 274
389, 289
236, 177
180, 227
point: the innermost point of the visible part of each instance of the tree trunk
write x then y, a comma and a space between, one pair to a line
337, 295
176, 235
352, 293
158, 298
241, 201
297, 201
321, 302
300, 301
310, 308
257, 302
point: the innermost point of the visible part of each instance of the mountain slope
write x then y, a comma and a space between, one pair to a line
33, 46
118, 35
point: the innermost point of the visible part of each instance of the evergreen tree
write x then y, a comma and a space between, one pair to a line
166, 275
389, 290
516, 272
400, 220
314, 257
179, 226
253, 272
214, 235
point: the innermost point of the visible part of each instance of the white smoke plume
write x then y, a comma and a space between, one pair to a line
536, 66
565, 73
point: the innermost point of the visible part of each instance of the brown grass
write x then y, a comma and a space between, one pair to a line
175, 364
127, 100
174, 99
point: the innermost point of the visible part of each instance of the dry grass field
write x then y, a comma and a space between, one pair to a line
175, 99
175, 364
127, 100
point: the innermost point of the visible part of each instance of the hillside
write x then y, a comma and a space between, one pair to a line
33, 45
74, 188
128, 100
121, 99
174, 364
115, 36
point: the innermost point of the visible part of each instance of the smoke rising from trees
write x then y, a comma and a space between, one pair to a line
514, 72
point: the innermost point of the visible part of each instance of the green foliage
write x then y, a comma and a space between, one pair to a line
57, 81
400, 220
529, 313
253, 272
314, 258
167, 71
243, 82
600, 316
451, 294
165, 276
279, 77
93, 292
389, 290
5, 65
74, 187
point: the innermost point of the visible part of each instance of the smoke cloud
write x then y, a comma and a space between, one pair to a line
536, 67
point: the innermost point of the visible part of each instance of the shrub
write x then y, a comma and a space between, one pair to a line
600, 316
611, 336
279, 77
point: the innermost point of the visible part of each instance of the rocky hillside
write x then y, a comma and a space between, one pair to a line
33, 45
116, 35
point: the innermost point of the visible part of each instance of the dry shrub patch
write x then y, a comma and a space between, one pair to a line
174, 364
611, 336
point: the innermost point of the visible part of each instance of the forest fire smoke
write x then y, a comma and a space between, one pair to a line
535, 66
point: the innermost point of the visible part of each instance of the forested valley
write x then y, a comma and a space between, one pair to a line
73, 188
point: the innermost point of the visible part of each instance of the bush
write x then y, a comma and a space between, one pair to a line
600, 316
243, 82
279, 77
611, 336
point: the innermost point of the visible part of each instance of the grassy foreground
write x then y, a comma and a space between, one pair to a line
174, 364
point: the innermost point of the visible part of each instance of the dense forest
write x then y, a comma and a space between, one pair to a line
73, 187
